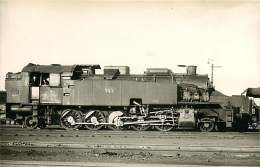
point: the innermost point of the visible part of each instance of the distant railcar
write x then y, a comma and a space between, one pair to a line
2, 106
76, 97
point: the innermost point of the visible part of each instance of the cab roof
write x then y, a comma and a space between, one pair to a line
56, 68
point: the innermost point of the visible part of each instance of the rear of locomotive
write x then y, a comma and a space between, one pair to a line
17, 89
33, 93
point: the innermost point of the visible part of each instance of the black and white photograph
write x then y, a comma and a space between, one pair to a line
120, 83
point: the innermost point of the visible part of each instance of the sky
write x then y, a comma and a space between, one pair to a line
139, 34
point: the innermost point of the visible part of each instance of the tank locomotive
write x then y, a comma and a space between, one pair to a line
76, 97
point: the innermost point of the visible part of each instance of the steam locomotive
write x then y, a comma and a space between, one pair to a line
76, 97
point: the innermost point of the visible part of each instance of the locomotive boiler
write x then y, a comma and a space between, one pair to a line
76, 97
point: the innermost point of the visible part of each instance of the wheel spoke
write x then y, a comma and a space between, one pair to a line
68, 121
96, 118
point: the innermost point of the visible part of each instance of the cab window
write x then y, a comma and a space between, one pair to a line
45, 79
54, 80
35, 79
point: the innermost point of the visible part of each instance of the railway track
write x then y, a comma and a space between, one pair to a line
122, 136
88, 164
5, 131
131, 146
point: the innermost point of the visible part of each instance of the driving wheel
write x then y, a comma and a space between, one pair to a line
69, 118
95, 118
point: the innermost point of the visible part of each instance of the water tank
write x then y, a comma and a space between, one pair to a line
191, 70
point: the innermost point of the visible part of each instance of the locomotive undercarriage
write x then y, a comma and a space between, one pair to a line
118, 120
137, 118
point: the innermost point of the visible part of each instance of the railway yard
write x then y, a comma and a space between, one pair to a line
58, 147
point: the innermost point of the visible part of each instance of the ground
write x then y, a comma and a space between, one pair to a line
149, 147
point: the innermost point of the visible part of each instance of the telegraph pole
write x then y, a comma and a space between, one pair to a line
211, 61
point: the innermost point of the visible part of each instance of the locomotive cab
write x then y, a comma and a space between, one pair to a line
42, 82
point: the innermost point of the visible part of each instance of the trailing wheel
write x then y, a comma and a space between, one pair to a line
206, 125
95, 118
69, 118
164, 127
30, 123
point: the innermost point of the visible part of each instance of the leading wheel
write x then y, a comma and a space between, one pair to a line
69, 118
30, 123
206, 125
96, 118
